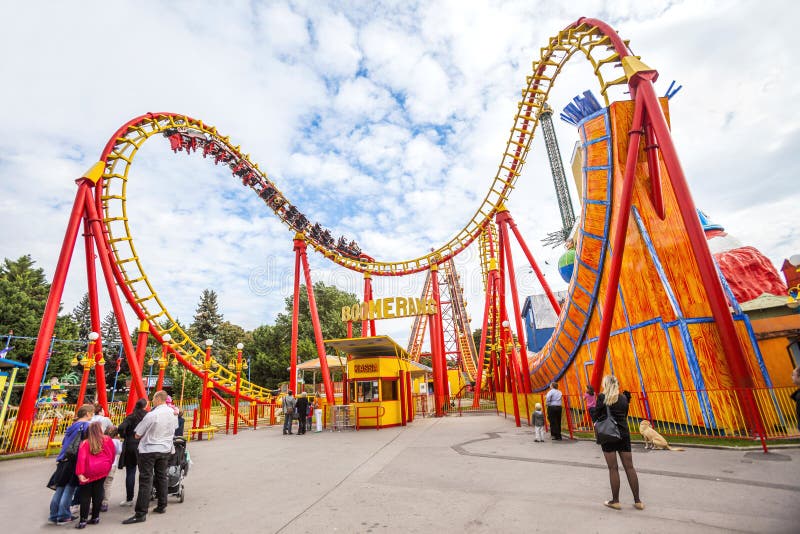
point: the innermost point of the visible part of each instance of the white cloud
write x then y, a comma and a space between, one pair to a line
387, 125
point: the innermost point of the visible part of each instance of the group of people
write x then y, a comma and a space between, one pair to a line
93, 448
617, 403
299, 408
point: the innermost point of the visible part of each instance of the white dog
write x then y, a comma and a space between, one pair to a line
652, 439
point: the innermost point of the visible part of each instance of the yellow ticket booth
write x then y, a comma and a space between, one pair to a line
378, 381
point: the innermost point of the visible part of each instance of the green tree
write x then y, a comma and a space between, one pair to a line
271, 348
207, 318
81, 314
23, 295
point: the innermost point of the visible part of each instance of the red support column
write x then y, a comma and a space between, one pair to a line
141, 348
401, 395
505, 249
345, 392
437, 354
511, 224
27, 404
94, 312
620, 229
367, 325
312, 306
84, 381
482, 349
116, 305
409, 398
299, 246
734, 353
237, 396
205, 398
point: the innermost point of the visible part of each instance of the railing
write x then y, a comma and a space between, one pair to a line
699, 413
464, 403
380, 411
51, 423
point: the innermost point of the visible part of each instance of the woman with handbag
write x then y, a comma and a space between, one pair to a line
610, 418
130, 445
64, 481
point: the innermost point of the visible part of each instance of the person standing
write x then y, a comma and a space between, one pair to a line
155, 433
538, 423
618, 405
64, 479
288, 412
553, 402
100, 415
95, 458
590, 400
795, 396
111, 432
130, 448
302, 412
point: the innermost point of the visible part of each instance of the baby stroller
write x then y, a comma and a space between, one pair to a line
177, 468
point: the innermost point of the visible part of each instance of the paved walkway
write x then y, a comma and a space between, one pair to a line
456, 474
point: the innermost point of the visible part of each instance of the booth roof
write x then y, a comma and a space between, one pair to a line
368, 346
333, 363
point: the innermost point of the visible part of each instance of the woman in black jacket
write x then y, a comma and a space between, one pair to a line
618, 404
130, 446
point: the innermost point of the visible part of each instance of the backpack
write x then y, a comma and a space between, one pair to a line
72, 449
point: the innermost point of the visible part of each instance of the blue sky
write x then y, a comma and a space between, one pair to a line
383, 121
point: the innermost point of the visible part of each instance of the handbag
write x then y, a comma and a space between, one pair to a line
607, 430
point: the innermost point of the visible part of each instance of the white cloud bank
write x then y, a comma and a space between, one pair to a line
384, 123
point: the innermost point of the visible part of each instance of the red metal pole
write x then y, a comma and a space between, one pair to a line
705, 263
513, 376
513, 225
141, 348
569, 416
84, 381
299, 245
476, 399
238, 385
439, 371
116, 305
345, 392
205, 399
502, 219
94, 312
401, 394
620, 229
162, 365
312, 307
27, 404
409, 398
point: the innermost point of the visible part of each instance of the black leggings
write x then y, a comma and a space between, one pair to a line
130, 480
94, 491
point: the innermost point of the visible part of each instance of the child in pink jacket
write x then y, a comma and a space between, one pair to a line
95, 457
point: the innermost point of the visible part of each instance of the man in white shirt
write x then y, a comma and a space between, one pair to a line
155, 433
553, 401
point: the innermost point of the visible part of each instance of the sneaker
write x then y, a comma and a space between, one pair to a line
94, 521
52, 521
82, 524
135, 519
126, 503
65, 521
104, 507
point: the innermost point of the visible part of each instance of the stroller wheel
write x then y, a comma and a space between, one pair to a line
180, 495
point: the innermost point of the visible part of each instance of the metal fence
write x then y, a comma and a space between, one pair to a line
700, 413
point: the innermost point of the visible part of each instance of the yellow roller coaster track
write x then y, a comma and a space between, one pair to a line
121, 150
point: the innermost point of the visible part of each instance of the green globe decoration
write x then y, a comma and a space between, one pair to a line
566, 265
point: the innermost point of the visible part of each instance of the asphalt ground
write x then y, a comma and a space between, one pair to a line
453, 474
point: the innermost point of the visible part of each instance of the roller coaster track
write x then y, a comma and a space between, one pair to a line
601, 46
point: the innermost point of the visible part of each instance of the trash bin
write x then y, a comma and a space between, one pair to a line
318, 419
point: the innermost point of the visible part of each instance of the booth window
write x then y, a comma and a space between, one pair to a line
389, 389
364, 391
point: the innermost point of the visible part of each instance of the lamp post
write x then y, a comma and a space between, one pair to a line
151, 361
87, 362
238, 366
163, 360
